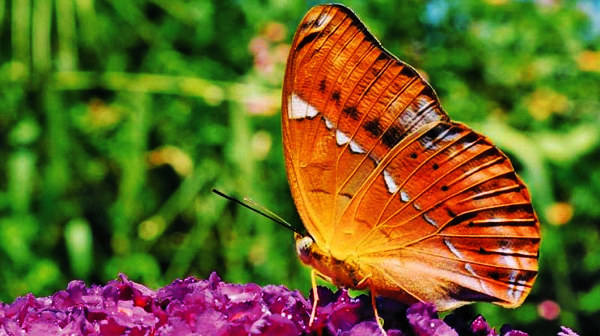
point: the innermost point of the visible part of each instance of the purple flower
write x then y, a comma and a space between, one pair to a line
424, 321
567, 332
479, 326
211, 306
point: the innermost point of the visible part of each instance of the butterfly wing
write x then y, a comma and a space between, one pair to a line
425, 208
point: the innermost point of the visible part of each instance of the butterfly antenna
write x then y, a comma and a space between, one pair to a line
259, 209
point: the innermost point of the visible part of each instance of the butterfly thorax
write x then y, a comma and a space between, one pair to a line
342, 273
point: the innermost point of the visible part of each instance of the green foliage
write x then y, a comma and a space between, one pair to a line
119, 117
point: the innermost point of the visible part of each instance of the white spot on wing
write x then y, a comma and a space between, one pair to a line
389, 182
514, 291
311, 111
459, 255
470, 269
328, 123
341, 138
404, 196
453, 249
355, 148
511, 287
422, 103
412, 111
407, 116
520, 289
509, 260
451, 136
321, 20
468, 266
299, 109
430, 220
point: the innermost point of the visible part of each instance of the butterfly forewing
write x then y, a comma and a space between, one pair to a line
346, 103
420, 207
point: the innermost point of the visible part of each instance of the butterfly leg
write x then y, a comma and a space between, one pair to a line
313, 313
377, 318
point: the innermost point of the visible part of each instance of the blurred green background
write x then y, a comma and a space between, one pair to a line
118, 117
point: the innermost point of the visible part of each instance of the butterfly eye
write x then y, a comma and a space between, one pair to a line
303, 246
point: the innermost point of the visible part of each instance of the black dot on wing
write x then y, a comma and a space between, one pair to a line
435, 166
335, 96
352, 112
428, 92
434, 134
494, 275
373, 126
469, 138
392, 136
413, 155
407, 71
445, 188
322, 85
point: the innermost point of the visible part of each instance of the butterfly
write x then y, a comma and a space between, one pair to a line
396, 197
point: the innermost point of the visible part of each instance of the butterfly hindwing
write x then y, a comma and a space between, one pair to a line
451, 205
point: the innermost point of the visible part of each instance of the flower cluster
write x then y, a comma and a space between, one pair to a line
212, 307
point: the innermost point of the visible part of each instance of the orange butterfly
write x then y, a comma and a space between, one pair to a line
395, 196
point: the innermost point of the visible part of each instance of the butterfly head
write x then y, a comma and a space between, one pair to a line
304, 247
342, 273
